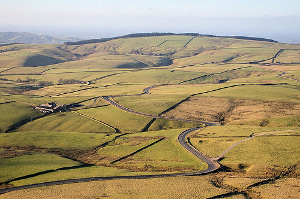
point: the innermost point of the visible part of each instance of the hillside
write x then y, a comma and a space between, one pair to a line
128, 109
30, 38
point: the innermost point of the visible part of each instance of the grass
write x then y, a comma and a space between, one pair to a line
283, 188
26, 55
289, 56
240, 182
110, 89
62, 140
126, 122
210, 68
83, 172
65, 122
108, 61
235, 131
279, 148
274, 121
57, 89
166, 155
229, 75
126, 67
151, 104
163, 124
26, 70
253, 54
260, 92
267, 151
30, 164
214, 146
213, 141
206, 57
186, 89
179, 187
123, 147
13, 114
36, 100
154, 76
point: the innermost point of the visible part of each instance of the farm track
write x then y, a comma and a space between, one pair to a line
249, 138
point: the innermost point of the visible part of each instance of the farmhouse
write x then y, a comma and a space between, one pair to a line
51, 107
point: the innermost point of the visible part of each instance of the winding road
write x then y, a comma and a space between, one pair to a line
212, 166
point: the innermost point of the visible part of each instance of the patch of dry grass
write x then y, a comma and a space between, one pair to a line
283, 188
179, 187
233, 110
201, 108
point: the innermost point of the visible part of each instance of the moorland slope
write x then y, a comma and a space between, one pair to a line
129, 98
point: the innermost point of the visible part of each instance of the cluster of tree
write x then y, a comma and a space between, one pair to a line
45, 83
162, 34
68, 81
28, 80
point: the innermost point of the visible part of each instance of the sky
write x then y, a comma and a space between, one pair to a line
275, 19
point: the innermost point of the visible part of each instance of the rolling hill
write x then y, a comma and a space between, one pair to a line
31, 38
127, 100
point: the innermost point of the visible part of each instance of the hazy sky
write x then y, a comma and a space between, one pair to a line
100, 18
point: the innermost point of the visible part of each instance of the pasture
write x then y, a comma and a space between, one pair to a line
237, 83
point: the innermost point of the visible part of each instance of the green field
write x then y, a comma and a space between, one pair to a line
152, 104
30, 164
215, 140
126, 122
232, 82
269, 93
14, 114
62, 140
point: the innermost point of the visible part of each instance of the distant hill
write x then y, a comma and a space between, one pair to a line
163, 34
31, 38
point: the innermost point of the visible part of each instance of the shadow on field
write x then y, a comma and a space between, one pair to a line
41, 60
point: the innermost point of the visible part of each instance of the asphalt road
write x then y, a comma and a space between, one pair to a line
212, 163
212, 166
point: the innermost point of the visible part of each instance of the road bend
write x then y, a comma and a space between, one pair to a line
212, 166
212, 163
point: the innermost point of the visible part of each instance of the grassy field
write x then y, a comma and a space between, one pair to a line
262, 150
153, 76
268, 93
225, 80
126, 122
181, 187
164, 124
62, 140
36, 100
265, 151
285, 188
151, 104
289, 56
164, 156
14, 114
30, 164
